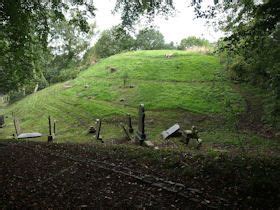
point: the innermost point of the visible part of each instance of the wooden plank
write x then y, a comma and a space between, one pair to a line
126, 132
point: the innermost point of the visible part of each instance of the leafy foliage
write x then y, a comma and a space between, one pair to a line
118, 40
70, 43
24, 33
150, 39
69, 40
132, 10
193, 41
112, 42
252, 47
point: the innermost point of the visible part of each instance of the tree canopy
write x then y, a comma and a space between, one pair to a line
193, 41
24, 34
149, 39
113, 41
252, 46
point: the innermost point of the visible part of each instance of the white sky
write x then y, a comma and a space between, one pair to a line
174, 29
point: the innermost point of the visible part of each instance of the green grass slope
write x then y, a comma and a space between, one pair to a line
188, 88
188, 81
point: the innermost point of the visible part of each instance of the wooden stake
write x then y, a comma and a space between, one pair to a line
50, 137
50, 126
54, 127
130, 128
15, 123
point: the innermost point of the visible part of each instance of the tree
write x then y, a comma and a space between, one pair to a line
112, 42
252, 48
150, 39
170, 46
193, 41
69, 43
133, 10
24, 34
69, 40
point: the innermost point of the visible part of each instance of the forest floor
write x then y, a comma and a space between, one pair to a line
86, 175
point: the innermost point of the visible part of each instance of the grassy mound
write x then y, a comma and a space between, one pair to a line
188, 81
188, 88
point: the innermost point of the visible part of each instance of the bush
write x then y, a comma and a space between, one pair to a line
193, 41
67, 74
15, 96
238, 69
112, 42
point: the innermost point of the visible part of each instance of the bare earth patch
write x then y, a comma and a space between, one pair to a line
57, 175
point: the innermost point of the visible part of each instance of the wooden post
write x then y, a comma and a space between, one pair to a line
15, 124
98, 136
141, 125
2, 121
50, 137
36, 88
23, 91
130, 128
54, 127
125, 131
50, 126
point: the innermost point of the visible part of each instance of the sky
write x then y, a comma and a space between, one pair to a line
182, 25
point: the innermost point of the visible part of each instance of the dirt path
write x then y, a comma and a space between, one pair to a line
251, 118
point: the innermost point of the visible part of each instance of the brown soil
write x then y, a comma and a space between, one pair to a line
35, 180
32, 175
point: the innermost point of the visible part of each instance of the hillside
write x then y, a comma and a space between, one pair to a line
237, 156
188, 88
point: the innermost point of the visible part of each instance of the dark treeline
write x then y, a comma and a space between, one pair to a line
117, 40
